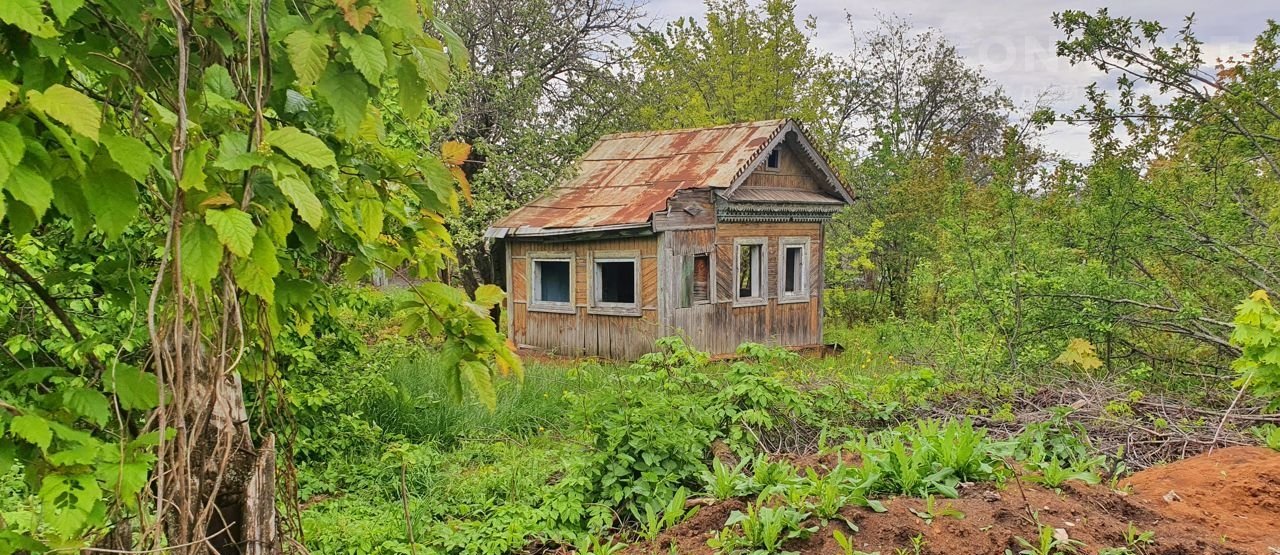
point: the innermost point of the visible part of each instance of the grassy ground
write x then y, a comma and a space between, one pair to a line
571, 454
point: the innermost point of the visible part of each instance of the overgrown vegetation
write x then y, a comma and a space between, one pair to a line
193, 195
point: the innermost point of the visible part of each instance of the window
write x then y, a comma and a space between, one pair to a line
552, 283
775, 159
696, 279
615, 283
793, 269
750, 266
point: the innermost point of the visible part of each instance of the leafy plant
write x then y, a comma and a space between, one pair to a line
653, 521
1257, 333
724, 482
1048, 543
763, 528
931, 511
1053, 473
846, 544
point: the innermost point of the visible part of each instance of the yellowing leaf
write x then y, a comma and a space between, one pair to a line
218, 200
358, 18
489, 295
1079, 353
463, 184
455, 153
70, 107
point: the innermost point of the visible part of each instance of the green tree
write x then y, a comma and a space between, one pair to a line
180, 181
543, 85
747, 63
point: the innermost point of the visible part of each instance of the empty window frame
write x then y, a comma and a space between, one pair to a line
551, 282
774, 161
695, 280
750, 271
793, 269
615, 283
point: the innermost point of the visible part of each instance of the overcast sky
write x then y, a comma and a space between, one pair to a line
1014, 41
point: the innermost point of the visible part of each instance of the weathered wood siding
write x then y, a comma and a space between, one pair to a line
687, 209
793, 172
584, 333
719, 327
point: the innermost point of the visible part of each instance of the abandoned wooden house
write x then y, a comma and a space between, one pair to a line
712, 234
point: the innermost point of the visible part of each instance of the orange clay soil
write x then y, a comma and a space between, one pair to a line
1226, 502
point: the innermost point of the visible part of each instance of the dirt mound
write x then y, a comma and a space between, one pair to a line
1233, 494
1224, 503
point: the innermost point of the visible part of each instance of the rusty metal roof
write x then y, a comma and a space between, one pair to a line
624, 178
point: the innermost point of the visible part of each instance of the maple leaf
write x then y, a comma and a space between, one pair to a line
1080, 353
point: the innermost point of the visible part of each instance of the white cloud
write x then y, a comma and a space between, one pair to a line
1015, 42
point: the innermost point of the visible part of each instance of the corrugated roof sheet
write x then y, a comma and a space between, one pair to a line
624, 178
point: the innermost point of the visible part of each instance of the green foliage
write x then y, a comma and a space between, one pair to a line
931, 511
1048, 543
280, 175
656, 518
1257, 333
761, 529
722, 481
747, 63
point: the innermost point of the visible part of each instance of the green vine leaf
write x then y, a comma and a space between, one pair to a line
130, 154
11, 149
308, 54
135, 389
27, 15
201, 253
402, 14
347, 94
64, 9
112, 197
70, 107
235, 229
302, 147
88, 403
300, 194
366, 54
29, 186
256, 274
32, 429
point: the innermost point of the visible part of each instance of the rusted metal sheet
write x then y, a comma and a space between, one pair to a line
624, 178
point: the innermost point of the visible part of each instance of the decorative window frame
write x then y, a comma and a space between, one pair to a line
535, 279
801, 295
763, 288
597, 306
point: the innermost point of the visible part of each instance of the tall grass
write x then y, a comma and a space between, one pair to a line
421, 409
